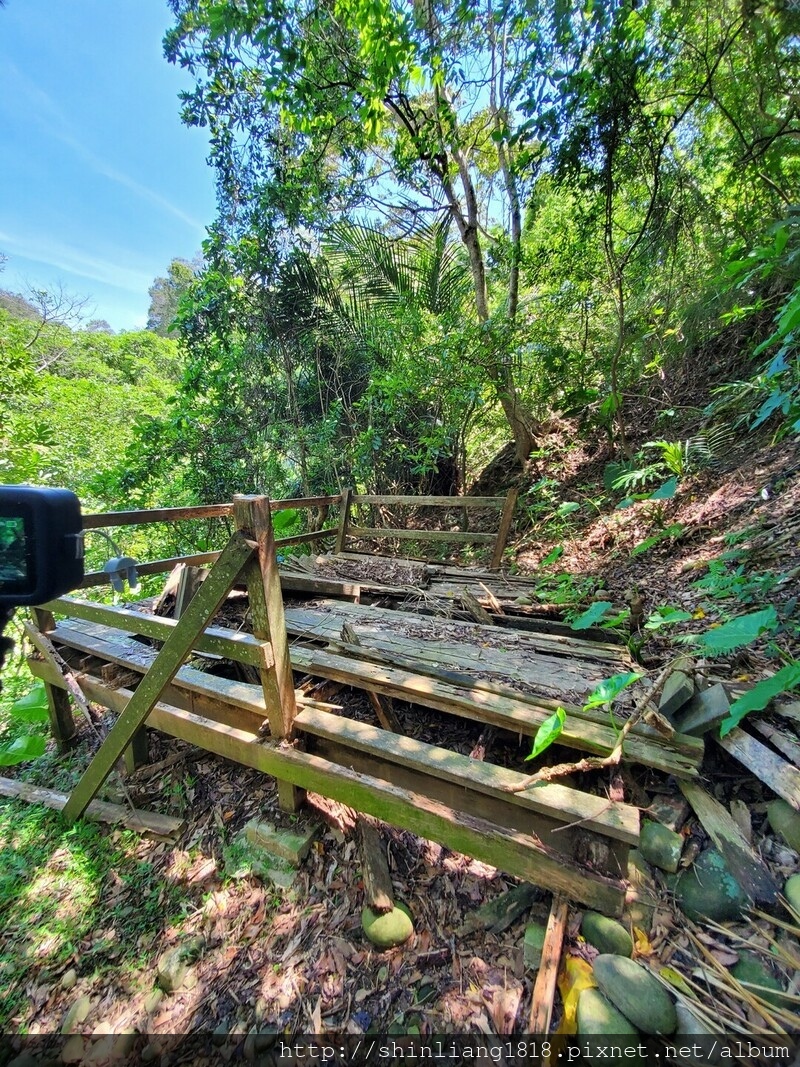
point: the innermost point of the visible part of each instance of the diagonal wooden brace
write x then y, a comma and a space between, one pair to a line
165, 666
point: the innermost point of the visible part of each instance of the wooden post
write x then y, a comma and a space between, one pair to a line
137, 753
62, 724
344, 520
162, 670
252, 517
545, 986
506, 517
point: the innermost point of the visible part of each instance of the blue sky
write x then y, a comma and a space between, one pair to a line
100, 183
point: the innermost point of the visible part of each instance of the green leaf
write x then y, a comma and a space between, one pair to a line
24, 748
32, 707
552, 556
666, 616
567, 507
592, 615
548, 732
757, 698
738, 632
610, 689
666, 491
283, 520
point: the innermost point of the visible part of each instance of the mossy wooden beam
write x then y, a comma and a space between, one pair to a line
456, 536
241, 647
252, 517
165, 666
344, 521
513, 851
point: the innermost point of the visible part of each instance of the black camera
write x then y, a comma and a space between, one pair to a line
41, 544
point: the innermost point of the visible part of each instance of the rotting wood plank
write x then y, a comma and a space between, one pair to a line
175, 649
745, 864
515, 712
295, 583
560, 803
432, 501
163, 827
374, 533
451, 692
780, 776
516, 853
410, 629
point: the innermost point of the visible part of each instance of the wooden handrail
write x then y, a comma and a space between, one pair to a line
96, 520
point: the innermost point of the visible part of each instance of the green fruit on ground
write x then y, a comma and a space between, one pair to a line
785, 822
637, 994
708, 890
597, 1015
389, 930
752, 973
792, 891
607, 935
660, 846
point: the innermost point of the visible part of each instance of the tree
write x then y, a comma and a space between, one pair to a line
166, 294
315, 109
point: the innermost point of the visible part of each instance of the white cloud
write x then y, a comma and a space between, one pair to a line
78, 262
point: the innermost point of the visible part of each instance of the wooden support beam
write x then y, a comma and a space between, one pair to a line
62, 724
545, 987
378, 888
516, 852
252, 517
506, 518
165, 666
143, 822
344, 521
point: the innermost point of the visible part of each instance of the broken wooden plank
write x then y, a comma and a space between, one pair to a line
378, 889
544, 989
295, 583
744, 862
785, 744
381, 705
143, 822
475, 609
213, 591
500, 706
562, 805
780, 776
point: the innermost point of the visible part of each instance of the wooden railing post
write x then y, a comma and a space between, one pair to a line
344, 520
252, 517
62, 724
506, 518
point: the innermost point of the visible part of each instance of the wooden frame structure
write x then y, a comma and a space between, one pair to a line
560, 837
